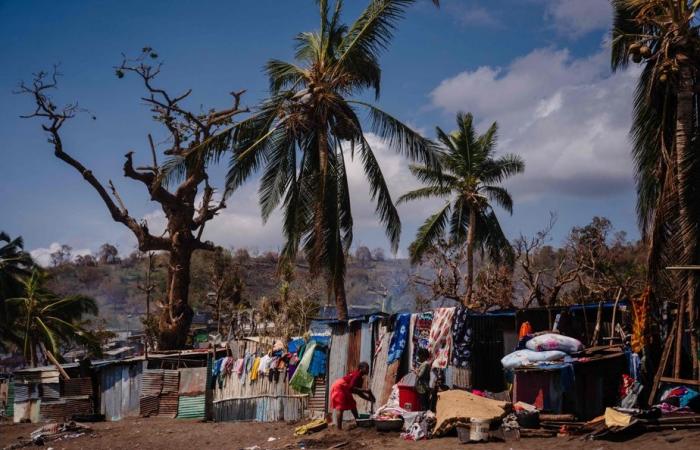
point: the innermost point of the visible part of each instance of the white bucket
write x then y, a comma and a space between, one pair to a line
479, 430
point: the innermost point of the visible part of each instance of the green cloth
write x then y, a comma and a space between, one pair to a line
302, 381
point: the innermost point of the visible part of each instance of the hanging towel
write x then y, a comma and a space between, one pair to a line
462, 338
440, 344
421, 334
254, 369
399, 338
302, 381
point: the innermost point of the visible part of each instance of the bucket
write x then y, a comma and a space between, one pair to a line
479, 430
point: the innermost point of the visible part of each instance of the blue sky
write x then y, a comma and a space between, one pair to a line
538, 67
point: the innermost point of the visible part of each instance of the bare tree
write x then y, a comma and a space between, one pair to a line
544, 271
194, 140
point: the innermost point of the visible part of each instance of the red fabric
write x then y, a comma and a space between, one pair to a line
341, 391
525, 329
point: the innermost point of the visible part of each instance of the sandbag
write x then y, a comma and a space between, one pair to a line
551, 341
522, 358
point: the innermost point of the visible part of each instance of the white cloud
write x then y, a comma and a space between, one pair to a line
42, 255
473, 15
578, 17
568, 117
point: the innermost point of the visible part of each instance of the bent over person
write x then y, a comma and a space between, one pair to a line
342, 393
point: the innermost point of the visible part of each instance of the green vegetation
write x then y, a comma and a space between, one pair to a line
467, 179
47, 321
663, 36
303, 132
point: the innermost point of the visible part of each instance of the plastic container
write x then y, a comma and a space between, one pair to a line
408, 398
479, 430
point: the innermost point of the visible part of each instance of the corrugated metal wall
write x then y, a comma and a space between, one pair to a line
120, 390
191, 393
190, 407
10, 412
263, 400
318, 398
261, 409
338, 358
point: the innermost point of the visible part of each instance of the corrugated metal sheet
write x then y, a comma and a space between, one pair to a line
167, 405
10, 411
318, 398
50, 391
354, 343
366, 343
22, 392
55, 411
77, 386
120, 387
261, 409
151, 387
190, 407
338, 358
192, 381
148, 406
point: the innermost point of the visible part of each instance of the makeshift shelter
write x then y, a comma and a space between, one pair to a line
119, 387
244, 395
41, 394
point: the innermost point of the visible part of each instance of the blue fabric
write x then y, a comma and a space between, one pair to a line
566, 375
321, 340
399, 338
294, 345
318, 362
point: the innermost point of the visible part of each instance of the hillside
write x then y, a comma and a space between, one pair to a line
122, 303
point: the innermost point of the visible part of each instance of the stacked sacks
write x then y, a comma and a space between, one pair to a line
521, 358
551, 341
546, 347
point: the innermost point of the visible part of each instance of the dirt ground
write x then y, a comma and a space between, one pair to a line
177, 434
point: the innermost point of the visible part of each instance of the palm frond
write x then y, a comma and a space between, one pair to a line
428, 233
424, 193
499, 196
379, 191
401, 137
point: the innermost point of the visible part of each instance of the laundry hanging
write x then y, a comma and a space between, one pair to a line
302, 381
421, 334
400, 337
440, 344
461, 338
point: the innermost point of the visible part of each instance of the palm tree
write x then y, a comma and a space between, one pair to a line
662, 36
468, 182
302, 134
47, 320
15, 265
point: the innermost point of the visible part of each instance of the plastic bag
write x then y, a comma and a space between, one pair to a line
553, 341
522, 358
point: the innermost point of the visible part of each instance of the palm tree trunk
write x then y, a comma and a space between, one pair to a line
684, 125
470, 256
341, 303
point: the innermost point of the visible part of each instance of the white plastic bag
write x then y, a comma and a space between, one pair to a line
551, 341
523, 358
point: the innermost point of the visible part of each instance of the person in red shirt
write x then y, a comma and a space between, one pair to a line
342, 392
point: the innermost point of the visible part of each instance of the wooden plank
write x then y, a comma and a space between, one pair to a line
679, 381
662, 364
